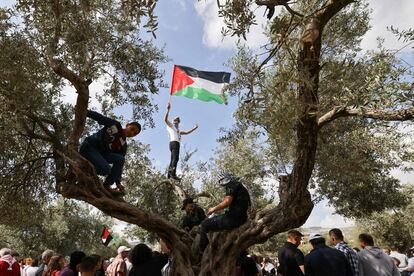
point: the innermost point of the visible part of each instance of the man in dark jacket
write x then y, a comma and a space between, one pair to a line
237, 199
108, 146
325, 261
194, 214
291, 259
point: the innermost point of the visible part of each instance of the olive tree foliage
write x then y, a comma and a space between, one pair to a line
392, 227
62, 225
355, 152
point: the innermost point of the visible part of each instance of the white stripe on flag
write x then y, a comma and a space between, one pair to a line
211, 86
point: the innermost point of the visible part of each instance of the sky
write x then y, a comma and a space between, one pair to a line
190, 32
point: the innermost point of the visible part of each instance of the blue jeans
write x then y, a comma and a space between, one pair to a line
102, 161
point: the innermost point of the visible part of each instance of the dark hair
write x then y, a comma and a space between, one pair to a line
35, 262
356, 249
366, 238
98, 259
75, 259
294, 234
337, 233
138, 125
53, 264
248, 267
317, 241
140, 254
87, 264
395, 247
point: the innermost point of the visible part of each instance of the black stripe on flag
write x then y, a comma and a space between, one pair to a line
217, 77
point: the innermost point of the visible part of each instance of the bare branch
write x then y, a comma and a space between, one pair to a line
379, 114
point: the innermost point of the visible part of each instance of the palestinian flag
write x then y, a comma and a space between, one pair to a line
202, 85
106, 237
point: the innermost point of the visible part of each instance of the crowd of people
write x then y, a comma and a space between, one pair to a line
139, 261
339, 259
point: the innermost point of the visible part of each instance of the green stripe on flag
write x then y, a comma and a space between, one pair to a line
200, 94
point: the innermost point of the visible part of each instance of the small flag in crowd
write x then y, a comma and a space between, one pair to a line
106, 237
202, 85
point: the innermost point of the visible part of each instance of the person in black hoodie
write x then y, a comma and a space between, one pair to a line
108, 146
145, 262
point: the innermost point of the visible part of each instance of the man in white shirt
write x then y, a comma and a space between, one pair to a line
174, 133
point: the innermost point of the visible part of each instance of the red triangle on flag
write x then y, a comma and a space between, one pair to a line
180, 80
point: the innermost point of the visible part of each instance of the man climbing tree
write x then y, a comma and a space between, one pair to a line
194, 214
237, 199
175, 138
108, 146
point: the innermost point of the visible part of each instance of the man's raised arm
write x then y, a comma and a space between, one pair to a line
102, 120
167, 121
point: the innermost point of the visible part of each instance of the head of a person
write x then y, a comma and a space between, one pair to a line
176, 120
316, 239
225, 178
132, 129
87, 265
356, 249
5, 251
140, 254
395, 248
75, 259
387, 251
123, 251
46, 255
336, 236
365, 240
188, 205
35, 262
28, 261
57, 262
99, 261
294, 237
410, 253
15, 255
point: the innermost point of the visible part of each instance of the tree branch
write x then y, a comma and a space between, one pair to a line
331, 8
379, 114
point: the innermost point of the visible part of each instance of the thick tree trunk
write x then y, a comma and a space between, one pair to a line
220, 256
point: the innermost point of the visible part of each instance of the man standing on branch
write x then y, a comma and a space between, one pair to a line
237, 199
108, 146
175, 139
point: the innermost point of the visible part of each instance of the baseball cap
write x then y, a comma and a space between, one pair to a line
314, 236
123, 248
187, 201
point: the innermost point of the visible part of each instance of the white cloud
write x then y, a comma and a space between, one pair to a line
397, 13
212, 37
324, 216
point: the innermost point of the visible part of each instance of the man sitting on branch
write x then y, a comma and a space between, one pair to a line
108, 146
237, 200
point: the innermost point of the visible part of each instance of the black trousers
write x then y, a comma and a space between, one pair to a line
215, 224
175, 155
